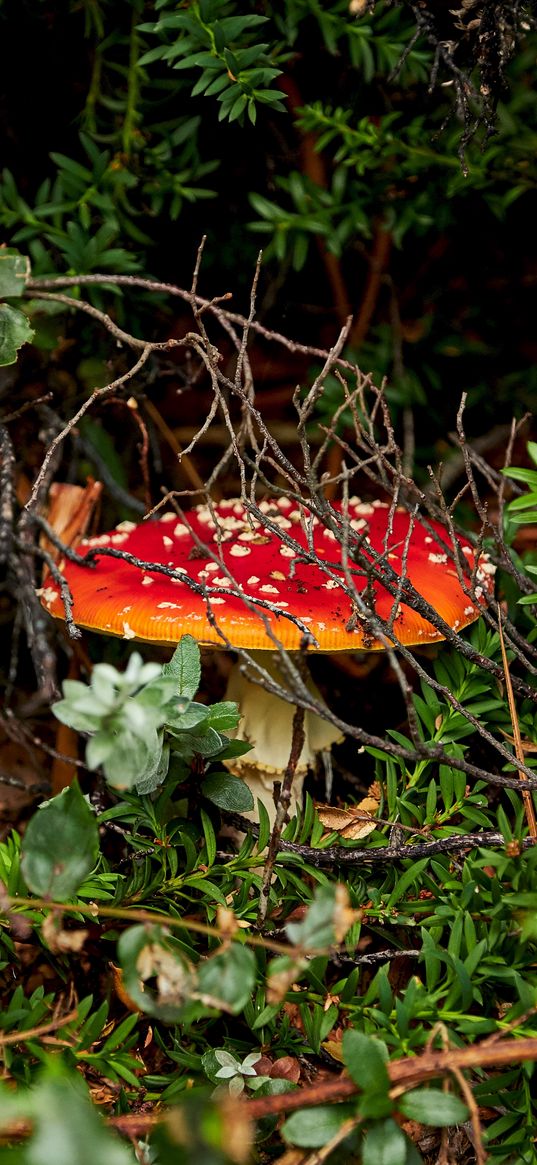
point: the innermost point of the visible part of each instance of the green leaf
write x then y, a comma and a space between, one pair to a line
14, 272
60, 845
185, 666
67, 1126
431, 1106
313, 1127
223, 717
14, 332
229, 977
365, 1060
156, 975
228, 792
323, 922
384, 1144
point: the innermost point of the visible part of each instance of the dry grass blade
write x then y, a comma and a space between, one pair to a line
519, 748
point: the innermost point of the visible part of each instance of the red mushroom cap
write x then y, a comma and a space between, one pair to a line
236, 562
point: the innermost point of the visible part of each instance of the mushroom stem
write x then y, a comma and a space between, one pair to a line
267, 724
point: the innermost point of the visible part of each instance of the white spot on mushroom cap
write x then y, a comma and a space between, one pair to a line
147, 580
330, 584
221, 582
239, 551
48, 594
180, 530
172, 606
167, 542
253, 580
287, 552
358, 524
168, 516
126, 526
362, 507
128, 632
99, 540
214, 601
117, 539
437, 558
268, 589
230, 523
469, 610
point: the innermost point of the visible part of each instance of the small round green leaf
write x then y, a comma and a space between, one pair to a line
14, 273
431, 1106
14, 332
365, 1060
228, 978
310, 1128
384, 1144
228, 792
60, 846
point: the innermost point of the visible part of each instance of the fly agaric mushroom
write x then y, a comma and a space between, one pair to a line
231, 577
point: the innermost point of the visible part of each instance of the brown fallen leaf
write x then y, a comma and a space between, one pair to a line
58, 940
527, 745
354, 822
286, 1068
70, 511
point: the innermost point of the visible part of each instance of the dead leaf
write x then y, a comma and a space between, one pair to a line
286, 1068
354, 822
70, 510
226, 922
58, 940
119, 988
334, 1047
280, 981
527, 745
237, 1130
174, 978
344, 916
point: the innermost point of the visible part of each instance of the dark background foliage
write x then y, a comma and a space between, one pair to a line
378, 182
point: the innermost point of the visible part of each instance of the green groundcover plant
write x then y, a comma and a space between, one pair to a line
174, 916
